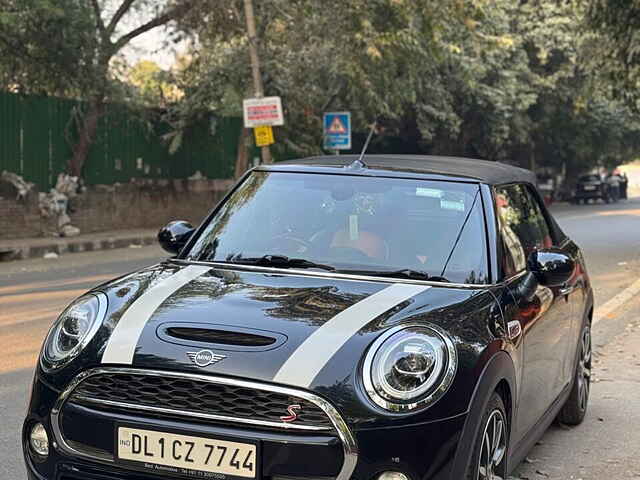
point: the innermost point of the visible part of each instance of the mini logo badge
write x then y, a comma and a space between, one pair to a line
293, 416
204, 358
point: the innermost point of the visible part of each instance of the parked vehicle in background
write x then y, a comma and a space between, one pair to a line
591, 187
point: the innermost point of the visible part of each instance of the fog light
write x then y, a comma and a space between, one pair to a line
39, 440
392, 476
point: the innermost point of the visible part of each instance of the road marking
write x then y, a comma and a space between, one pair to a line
123, 341
312, 355
616, 302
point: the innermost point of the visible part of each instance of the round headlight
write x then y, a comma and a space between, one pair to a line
409, 367
73, 329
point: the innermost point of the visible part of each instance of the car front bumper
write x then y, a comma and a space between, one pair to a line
82, 445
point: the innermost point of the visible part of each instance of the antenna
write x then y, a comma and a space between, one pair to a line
366, 144
359, 163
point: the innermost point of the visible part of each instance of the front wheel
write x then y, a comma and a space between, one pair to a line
575, 409
489, 460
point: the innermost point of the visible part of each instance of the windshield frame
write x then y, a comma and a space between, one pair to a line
183, 256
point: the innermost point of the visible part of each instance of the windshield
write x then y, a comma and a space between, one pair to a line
354, 224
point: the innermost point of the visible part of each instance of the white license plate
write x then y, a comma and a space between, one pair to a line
589, 187
185, 454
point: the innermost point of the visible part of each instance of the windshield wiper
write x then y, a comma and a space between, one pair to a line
402, 273
281, 261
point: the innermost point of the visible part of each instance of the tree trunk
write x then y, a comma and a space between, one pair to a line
242, 158
532, 160
87, 128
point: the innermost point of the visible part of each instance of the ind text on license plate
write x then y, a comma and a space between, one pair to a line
199, 457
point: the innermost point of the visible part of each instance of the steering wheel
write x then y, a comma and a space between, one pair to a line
301, 245
349, 254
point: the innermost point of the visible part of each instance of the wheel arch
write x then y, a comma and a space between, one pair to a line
498, 375
504, 390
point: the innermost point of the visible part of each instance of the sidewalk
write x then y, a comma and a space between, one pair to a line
23, 248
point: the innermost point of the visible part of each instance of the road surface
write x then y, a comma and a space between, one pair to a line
33, 292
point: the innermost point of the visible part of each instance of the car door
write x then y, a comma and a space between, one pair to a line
544, 314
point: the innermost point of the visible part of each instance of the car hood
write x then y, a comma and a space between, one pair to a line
319, 327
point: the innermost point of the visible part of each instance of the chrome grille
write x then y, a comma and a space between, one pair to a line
193, 396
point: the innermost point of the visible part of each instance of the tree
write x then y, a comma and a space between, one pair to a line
617, 53
497, 79
66, 47
373, 58
154, 86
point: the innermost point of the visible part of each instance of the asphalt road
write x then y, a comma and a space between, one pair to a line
33, 292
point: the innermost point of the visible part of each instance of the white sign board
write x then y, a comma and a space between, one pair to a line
259, 112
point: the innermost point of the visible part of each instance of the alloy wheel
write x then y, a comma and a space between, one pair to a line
584, 369
494, 448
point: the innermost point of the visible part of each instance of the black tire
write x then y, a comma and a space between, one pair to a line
493, 417
575, 408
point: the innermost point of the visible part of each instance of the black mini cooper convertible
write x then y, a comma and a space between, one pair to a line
396, 318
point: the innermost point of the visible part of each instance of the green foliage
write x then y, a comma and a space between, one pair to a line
617, 53
517, 80
498, 79
376, 58
152, 86
47, 46
67, 48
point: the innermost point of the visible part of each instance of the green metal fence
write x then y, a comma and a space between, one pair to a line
33, 144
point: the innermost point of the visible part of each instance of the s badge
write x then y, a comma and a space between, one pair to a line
204, 358
293, 416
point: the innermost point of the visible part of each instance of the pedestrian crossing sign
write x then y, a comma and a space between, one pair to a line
337, 130
337, 127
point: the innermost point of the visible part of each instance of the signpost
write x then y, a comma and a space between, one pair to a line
337, 131
255, 70
261, 112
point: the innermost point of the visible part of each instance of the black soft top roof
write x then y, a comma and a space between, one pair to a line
480, 170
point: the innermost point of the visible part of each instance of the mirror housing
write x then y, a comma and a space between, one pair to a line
175, 235
551, 266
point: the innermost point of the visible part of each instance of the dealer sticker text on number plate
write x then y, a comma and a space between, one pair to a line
186, 455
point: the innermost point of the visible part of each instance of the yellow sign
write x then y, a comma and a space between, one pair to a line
264, 136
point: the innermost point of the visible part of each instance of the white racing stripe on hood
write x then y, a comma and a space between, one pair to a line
313, 354
124, 338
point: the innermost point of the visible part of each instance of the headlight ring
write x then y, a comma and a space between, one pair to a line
409, 367
73, 330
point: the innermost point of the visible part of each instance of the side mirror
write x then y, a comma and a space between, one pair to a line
175, 236
551, 266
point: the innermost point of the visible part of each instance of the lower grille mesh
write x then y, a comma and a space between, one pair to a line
198, 396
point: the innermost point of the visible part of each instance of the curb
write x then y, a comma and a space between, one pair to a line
62, 246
